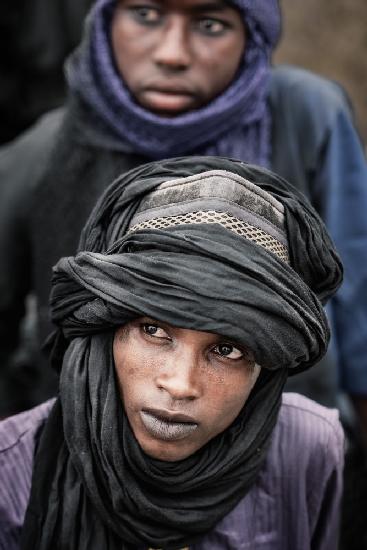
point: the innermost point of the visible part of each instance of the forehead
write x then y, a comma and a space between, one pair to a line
195, 5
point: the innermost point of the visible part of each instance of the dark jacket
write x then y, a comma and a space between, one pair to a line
53, 175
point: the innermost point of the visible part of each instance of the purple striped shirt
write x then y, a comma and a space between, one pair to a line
294, 504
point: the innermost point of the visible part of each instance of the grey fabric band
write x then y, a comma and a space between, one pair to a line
209, 204
216, 196
220, 184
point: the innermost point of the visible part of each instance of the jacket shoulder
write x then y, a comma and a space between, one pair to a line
307, 443
314, 425
297, 492
16, 429
23, 160
40, 132
289, 79
303, 91
18, 437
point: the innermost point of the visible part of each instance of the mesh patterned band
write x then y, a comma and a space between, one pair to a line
242, 228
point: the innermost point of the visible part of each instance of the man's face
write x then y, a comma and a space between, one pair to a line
177, 55
180, 388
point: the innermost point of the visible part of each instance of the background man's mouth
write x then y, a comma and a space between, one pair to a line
167, 101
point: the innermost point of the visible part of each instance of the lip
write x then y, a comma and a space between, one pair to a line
167, 102
170, 99
170, 416
175, 88
167, 425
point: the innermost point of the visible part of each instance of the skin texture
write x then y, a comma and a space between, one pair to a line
165, 370
176, 56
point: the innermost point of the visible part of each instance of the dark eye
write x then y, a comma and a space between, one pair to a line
211, 27
145, 14
228, 351
154, 330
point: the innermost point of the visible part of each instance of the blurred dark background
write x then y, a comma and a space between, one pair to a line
35, 37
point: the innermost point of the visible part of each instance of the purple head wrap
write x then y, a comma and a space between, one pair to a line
234, 124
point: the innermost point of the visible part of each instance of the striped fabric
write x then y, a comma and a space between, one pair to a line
18, 436
293, 506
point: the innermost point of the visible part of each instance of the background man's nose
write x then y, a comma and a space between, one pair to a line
173, 50
179, 377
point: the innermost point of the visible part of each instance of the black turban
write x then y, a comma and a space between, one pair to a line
207, 244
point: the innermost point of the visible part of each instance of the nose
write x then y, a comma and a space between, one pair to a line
180, 377
173, 50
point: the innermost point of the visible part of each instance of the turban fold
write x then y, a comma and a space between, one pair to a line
263, 17
201, 243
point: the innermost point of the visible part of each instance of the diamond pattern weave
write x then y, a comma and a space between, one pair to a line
250, 232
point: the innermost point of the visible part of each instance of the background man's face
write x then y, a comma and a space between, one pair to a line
177, 55
180, 388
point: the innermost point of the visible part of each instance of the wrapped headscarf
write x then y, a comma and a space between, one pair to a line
236, 123
201, 243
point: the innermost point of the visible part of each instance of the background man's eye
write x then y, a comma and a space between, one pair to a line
211, 26
146, 14
229, 351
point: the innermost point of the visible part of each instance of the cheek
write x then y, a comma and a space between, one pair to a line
126, 45
218, 66
131, 41
227, 395
134, 371
231, 56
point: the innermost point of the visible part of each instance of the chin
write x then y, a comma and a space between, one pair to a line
167, 451
165, 113
166, 108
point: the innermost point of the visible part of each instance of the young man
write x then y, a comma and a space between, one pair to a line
166, 78
197, 290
